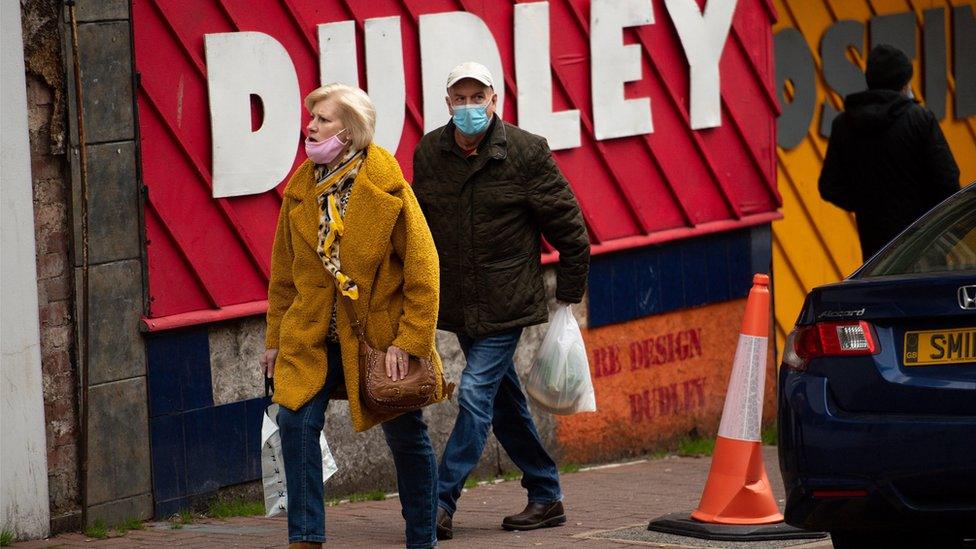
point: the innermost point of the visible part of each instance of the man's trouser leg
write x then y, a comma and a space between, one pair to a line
515, 430
488, 360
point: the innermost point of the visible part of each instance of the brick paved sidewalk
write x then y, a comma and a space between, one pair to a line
597, 499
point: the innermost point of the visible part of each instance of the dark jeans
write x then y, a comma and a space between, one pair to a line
413, 456
491, 396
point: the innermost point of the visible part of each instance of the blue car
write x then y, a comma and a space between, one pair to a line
877, 393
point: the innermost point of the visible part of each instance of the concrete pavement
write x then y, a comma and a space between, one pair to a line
597, 500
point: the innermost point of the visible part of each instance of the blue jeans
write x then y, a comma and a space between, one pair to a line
413, 456
491, 396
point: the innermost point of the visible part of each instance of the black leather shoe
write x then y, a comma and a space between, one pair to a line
536, 515
445, 530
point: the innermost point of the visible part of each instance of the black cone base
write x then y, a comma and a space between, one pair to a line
681, 524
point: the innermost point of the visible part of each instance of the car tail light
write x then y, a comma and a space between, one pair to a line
829, 339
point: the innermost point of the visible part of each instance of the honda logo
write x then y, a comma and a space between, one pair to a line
967, 297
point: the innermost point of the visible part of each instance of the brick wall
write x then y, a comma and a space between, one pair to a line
52, 224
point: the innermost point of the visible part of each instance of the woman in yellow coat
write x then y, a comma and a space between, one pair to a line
349, 223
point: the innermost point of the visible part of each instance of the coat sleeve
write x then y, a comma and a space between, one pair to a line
281, 286
558, 215
414, 245
939, 162
834, 185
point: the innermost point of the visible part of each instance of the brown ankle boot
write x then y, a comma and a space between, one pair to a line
445, 529
536, 515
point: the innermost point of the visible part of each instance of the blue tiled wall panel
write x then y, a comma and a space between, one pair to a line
179, 372
201, 451
165, 383
197, 447
598, 286
623, 288
253, 420
694, 263
231, 443
169, 507
741, 266
647, 285
672, 279
717, 271
195, 359
677, 275
168, 459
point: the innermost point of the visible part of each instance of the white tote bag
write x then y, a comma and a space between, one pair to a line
273, 465
559, 379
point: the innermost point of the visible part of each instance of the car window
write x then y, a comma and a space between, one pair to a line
943, 241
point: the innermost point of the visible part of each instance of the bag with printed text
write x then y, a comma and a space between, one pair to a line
273, 465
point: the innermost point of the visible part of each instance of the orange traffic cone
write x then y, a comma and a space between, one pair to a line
737, 503
737, 490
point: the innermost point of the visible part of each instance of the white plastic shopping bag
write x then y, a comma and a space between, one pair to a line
559, 378
273, 465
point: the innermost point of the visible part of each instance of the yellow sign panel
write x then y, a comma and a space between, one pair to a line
816, 243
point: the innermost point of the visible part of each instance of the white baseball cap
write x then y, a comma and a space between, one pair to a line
470, 69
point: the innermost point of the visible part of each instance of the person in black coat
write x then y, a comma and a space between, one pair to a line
887, 160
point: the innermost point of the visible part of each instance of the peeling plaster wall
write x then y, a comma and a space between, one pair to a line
47, 112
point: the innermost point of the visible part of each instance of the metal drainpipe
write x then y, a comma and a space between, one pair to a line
82, 358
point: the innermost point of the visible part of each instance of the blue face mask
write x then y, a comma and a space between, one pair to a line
471, 119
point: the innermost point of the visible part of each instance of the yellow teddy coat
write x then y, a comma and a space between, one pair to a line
386, 249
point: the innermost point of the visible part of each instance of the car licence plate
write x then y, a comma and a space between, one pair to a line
933, 347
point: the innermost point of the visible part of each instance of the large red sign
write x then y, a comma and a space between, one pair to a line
680, 160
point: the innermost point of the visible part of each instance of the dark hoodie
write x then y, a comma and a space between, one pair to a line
888, 162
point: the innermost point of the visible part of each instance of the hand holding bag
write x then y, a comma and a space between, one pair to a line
377, 391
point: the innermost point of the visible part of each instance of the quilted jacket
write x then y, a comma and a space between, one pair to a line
487, 213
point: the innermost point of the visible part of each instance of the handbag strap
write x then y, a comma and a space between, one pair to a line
358, 328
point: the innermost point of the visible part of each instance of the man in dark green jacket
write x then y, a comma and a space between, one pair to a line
490, 191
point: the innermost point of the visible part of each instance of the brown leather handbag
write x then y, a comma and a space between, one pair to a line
381, 394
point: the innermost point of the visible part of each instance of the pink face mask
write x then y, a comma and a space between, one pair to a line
325, 151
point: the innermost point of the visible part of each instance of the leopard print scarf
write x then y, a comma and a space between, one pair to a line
332, 192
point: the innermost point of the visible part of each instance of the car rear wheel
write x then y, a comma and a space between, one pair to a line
888, 540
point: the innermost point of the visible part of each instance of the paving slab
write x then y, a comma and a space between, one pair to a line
606, 507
